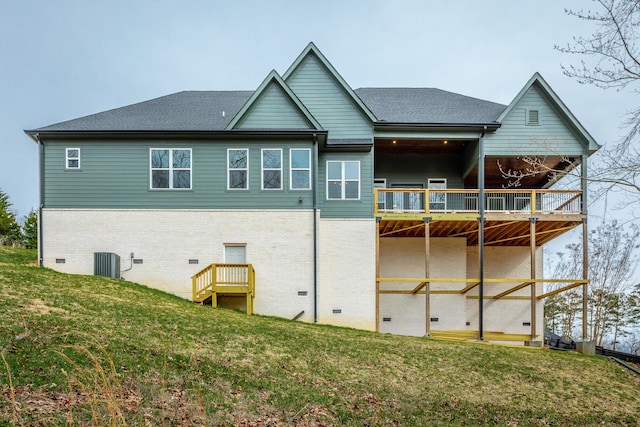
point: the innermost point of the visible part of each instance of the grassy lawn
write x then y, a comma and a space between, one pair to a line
85, 350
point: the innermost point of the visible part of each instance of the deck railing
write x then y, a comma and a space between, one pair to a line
228, 279
408, 201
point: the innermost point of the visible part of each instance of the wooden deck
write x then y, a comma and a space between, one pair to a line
472, 335
454, 213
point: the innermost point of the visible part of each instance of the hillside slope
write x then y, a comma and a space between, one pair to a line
85, 350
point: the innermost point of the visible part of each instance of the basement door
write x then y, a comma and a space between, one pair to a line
235, 254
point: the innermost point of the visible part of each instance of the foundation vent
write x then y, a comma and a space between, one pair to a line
106, 264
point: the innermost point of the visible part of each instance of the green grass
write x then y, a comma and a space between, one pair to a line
85, 350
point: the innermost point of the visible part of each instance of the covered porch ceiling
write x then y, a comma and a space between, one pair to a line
544, 178
494, 177
500, 229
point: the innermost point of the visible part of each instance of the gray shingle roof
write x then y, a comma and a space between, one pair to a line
203, 110
182, 111
428, 105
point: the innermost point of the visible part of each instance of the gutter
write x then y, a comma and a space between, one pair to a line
314, 163
482, 127
40, 197
174, 133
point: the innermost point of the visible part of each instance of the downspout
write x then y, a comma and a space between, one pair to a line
314, 187
481, 233
40, 197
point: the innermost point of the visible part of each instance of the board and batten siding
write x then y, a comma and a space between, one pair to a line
553, 136
362, 208
274, 110
116, 174
328, 102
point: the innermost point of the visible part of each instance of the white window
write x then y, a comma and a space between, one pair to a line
238, 168
72, 158
300, 161
382, 196
437, 201
343, 180
272, 169
171, 168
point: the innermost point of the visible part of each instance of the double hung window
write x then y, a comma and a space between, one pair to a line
343, 180
437, 200
272, 169
238, 168
300, 161
72, 158
170, 168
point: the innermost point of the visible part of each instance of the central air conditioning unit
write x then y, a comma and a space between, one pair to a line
106, 264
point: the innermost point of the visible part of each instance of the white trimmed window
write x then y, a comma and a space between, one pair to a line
272, 169
170, 168
300, 173
72, 158
343, 180
237, 168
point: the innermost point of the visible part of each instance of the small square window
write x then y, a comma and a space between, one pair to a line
72, 158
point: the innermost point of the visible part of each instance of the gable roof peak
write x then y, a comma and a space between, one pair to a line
312, 49
540, 83
273, 77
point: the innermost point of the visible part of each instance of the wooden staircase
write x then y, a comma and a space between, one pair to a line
219, 280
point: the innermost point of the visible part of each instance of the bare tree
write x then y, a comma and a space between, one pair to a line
609, 58
611, 268
561, 310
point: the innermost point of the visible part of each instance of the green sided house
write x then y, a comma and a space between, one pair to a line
377, 208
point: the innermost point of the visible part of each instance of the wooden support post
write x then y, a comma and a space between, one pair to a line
214, 285
585, 276
532, 238
427, 287
377, 274
481, 220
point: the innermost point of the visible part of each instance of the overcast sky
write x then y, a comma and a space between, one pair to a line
65, 59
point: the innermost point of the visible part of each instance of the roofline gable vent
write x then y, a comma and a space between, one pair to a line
532, 117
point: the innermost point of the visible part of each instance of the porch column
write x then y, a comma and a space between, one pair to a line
377, 274
585, 245
481, 219
427, 286
532, 239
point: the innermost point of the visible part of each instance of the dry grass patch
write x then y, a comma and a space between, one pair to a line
97, 349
